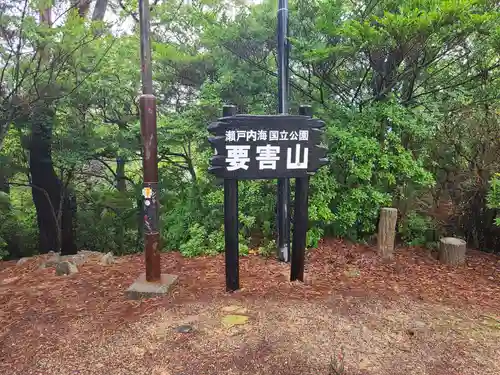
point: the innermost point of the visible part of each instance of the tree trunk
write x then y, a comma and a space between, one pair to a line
122, 188
120, 175
55, 213
452, 251
99, 10
387, 232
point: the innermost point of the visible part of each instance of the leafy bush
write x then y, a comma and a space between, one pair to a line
417, 230
268, 249
494, 195
314, 235
367, 167
18, 231
196, 244
107, 221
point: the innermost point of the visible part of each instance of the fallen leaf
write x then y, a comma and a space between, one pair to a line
233, 320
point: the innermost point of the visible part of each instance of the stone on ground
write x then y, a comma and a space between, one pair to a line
185, 328
143, 289
77, 259
107, 259
52, 259
21, 261
66, 268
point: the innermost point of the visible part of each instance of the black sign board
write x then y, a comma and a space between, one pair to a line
266, 147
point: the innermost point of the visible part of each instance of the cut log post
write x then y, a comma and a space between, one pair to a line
452, 251
387, 232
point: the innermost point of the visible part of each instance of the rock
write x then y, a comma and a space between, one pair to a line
83, 256
89, 253
53, 259
66, 268
21, 261
107, 259
78, 259
185, 328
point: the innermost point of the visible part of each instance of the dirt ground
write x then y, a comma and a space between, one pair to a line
413, 316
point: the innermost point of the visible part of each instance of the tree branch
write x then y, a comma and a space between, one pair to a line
458, 84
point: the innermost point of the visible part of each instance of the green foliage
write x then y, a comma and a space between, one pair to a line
5, 227
417, 230
314, 235
196, 244
108, 221
268, 249
18, 229
411, 114
369, 166
494, 195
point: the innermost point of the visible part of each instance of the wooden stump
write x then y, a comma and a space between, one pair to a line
452, 251
387, 232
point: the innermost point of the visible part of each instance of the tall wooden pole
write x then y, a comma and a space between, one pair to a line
283, 201
231, 224
147, 104
301, 218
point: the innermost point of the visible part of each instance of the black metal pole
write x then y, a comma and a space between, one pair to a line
283, 199
147, 103
301, 219
231, 227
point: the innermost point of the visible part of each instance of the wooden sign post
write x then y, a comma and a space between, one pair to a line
254, 147
301, 219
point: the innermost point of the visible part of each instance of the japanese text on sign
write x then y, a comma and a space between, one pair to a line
263, 147
238, 156
266, 135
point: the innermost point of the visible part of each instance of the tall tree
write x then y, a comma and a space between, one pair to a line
37, 88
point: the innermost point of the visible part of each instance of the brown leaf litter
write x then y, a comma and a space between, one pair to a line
412, 316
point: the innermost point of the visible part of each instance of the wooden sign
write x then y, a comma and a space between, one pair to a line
266, 147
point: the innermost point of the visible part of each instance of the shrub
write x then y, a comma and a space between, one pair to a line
417, 230
494, 195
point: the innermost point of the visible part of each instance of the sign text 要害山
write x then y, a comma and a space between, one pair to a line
266, 147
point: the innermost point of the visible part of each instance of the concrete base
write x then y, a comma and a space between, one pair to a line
141, 288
